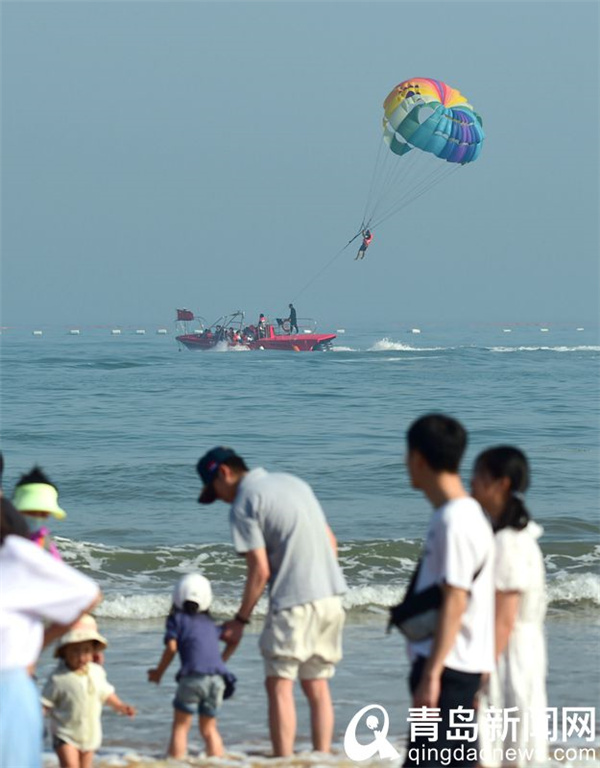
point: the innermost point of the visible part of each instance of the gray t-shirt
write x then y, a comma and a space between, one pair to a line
280, 513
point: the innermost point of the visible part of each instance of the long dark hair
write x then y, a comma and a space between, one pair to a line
506, 461
11, 521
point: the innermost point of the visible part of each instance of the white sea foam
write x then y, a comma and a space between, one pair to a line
387, 345
574, 588
337, 348
570, 588
579, 348
157, 606
223, 346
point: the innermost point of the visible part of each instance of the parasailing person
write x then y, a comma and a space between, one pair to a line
367, 236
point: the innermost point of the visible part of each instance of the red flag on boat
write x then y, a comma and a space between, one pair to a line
185, 314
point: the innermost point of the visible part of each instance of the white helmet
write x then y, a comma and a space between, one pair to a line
194, 588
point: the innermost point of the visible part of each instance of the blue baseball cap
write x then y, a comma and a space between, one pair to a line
208, 466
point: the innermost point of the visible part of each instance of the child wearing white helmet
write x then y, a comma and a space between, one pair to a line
203, 679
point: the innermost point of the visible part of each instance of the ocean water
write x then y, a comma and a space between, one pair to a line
118, 423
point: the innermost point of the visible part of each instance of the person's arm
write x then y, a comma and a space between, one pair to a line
454, 604
332, 540
155, 675
119, 706
257, 577
53, 631
228, 650
507, 609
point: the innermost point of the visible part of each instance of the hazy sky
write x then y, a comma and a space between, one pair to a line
218, 155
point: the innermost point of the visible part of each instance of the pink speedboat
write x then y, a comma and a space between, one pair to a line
232, 331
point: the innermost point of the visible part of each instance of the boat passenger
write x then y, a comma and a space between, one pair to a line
262, 326
292, 319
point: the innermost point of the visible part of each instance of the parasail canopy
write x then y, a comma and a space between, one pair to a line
431, 116
425, 121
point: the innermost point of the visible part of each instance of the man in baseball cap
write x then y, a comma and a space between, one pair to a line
278, 525
208, 469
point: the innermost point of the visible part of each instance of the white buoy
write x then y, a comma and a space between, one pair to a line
116, 332
544, 330
341, 330
74, 332
162, 331
580, 329
38, 333
507, 330
140, 332
415, 330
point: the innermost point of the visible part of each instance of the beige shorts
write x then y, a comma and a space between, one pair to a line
304, 641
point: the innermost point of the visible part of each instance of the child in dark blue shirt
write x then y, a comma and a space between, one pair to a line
203, 680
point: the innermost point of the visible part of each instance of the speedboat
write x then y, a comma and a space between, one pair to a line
232, 331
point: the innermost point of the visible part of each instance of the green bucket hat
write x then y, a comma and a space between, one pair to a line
38, 497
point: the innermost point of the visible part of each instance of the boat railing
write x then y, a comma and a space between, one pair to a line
281, 327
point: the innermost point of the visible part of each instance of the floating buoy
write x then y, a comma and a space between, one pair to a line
162, 331
140, 332
507, 330
294, 347
74, 332
544, 330
116, 332
341, 330
415, 330
38, 333
580, 329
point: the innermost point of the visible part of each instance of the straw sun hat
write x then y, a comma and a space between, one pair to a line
83, 631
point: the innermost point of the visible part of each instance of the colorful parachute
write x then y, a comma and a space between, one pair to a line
430, 115
424, 121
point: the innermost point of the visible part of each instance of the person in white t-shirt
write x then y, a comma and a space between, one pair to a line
36, 588
500, 479
447, 666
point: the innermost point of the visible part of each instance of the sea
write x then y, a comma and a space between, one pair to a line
118, 422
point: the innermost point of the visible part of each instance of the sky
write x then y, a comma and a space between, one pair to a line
219, 155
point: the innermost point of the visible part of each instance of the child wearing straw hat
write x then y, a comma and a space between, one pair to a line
37, 499
75, 693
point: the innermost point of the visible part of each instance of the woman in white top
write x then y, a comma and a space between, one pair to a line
518, 738
36, 588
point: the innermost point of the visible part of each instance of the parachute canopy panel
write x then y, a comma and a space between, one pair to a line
429, 115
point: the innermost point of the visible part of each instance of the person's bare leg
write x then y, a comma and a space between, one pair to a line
282, 715
321, 713
86, 759
212, 737
68, 756
182, 722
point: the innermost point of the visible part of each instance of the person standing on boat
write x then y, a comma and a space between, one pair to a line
278, 525
262, 326
292, 319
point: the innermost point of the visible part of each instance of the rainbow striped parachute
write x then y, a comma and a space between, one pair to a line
424, 121
427, 114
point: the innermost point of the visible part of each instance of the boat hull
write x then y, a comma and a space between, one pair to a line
301, 342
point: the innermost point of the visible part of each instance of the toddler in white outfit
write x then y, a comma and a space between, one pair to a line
75, 693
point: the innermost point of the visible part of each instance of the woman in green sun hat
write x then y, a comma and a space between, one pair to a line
36, 497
